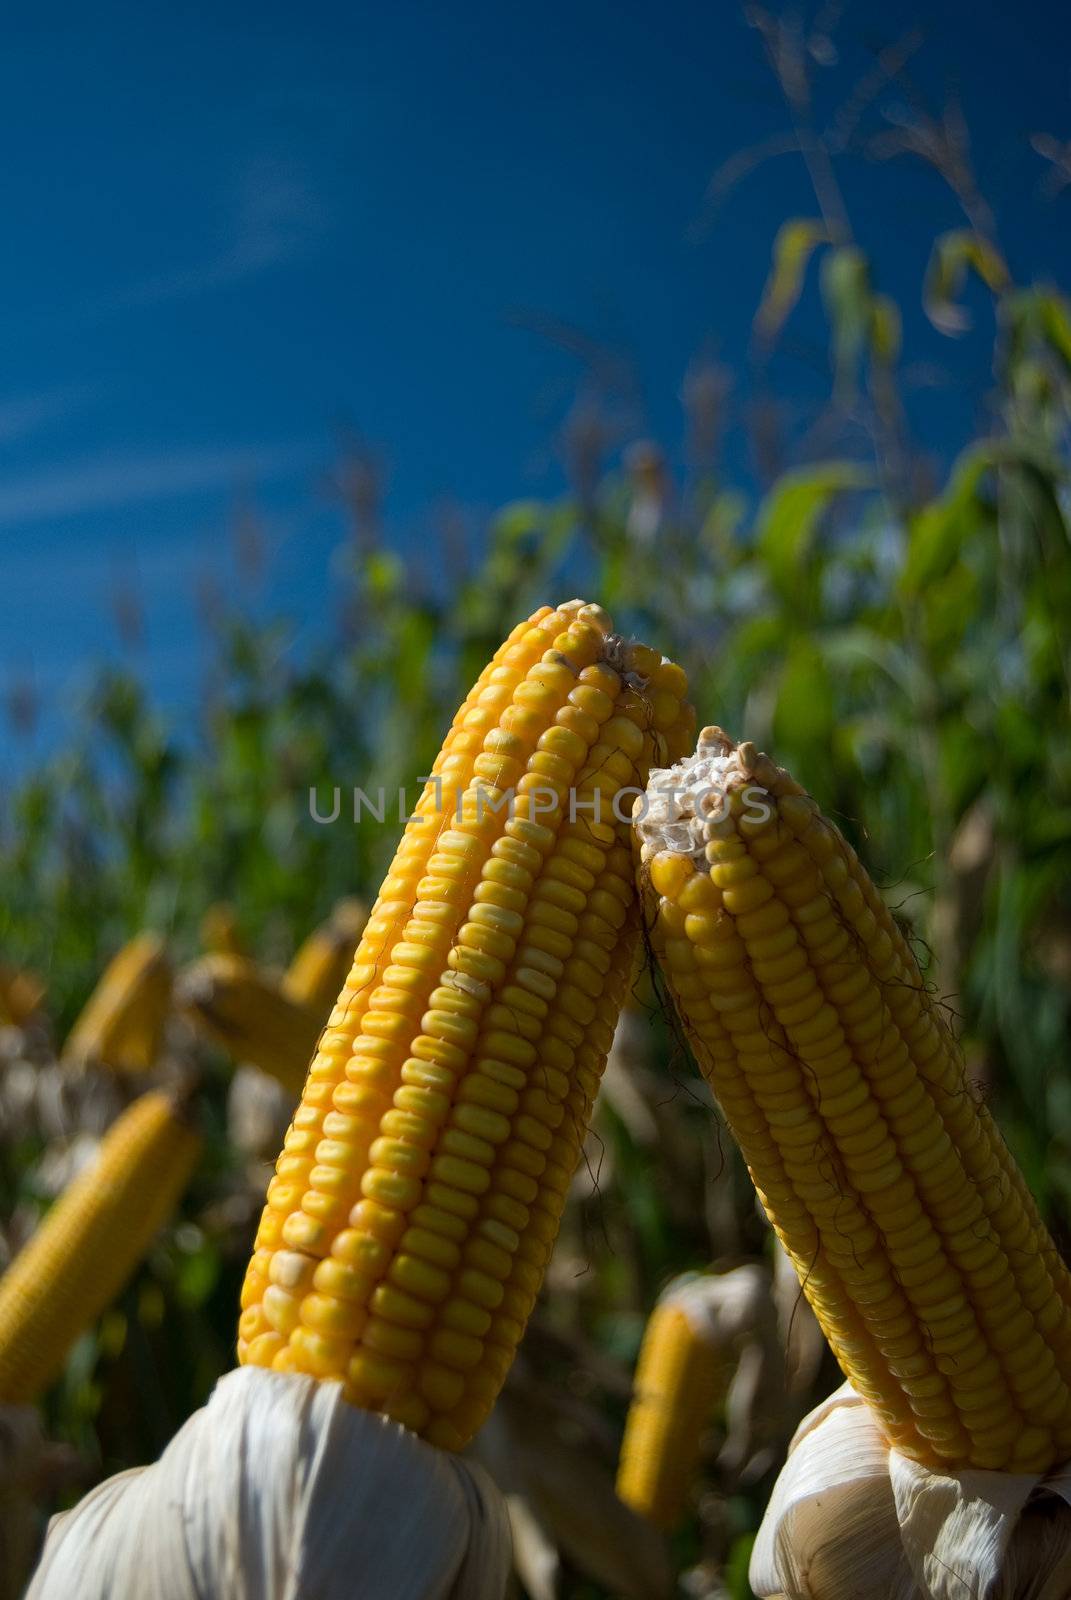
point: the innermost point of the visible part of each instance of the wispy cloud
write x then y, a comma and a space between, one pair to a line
22, 415
101, 485
276, 216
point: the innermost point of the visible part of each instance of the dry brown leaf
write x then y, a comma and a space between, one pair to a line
532, 1453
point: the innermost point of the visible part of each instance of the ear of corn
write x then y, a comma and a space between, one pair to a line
680, 1375
321, 965
220, 934
911, 1231
246, 1012
420, 1187
122, 1023
90, 1241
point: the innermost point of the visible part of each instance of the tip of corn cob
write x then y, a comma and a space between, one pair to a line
319, 967
122, 1023
235, 1005
684, 803
220, 933
199, 986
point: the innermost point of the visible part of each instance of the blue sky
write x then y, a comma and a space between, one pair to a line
229, 237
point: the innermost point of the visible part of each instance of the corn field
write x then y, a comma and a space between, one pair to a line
892, 629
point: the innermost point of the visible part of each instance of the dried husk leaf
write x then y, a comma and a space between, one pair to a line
570, 1500
258, 1114
24, 1463
852, 1519
279, 1490
734, 1312
536, 1560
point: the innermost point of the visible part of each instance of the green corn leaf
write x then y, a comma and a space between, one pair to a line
955, 255
790, 516
796, 242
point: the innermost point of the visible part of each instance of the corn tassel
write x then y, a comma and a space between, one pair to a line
680, 1375
122, 1023
321, 965
89, 1242
910, 1228
246, 1013
420, 1187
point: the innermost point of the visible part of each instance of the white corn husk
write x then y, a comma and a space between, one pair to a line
852, 1519
279, 1490
734, 1312
258, 1114
723, 1307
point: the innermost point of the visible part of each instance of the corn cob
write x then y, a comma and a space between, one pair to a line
90, 1241
122, 1023
420, 1186
910, 1228
681, 1373
220, 934
321, 965
239, 1008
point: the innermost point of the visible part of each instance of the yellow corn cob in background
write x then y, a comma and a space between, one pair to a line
219, 931
321, 965
241, 1009
122, 1022
681, 1373
90, 1241
911, 1230
420, 1187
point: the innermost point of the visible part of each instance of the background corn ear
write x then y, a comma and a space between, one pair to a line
220, 933
910, 1228
235, 1005
710, 1352
421, 1184
122, 1023
321, 964
90, 1241
680, 1375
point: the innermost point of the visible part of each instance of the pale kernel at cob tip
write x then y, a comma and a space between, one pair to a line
912, 1232
420, 1187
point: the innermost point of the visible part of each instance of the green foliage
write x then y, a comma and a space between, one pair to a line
793, 248
954, 256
